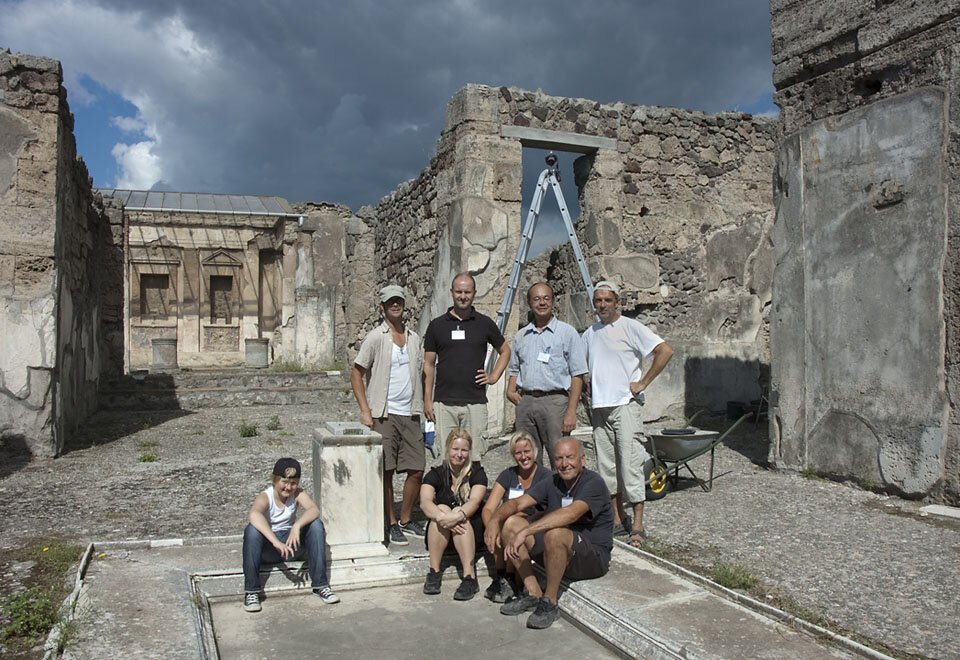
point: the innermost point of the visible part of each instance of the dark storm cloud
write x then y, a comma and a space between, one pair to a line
343, 101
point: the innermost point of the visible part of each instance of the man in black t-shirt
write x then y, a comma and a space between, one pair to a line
454, 352
573, 538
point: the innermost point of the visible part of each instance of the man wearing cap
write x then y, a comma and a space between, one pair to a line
275, 534
386, 382
454, 352
615, 347
546, 370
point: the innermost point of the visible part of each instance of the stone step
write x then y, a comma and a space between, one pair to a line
190, 390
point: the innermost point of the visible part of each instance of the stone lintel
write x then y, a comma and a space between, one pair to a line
541, 138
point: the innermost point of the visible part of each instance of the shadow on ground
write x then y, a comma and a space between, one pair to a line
106, 426
14, 454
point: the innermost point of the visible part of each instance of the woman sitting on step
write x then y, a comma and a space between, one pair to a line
512, 482
451, 496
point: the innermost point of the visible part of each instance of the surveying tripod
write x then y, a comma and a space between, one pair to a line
551, 176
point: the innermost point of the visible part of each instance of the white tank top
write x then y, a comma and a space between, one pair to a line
400, 390
280, 517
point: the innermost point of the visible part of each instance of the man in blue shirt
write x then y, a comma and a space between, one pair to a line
546, 370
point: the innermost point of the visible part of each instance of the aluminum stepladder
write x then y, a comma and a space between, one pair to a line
550, 176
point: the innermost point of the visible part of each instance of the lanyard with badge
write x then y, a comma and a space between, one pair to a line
567, 499
403, 357
458, 334
518, 490
544, 355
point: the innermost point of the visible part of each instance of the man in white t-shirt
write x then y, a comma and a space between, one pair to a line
386, 382
615, 347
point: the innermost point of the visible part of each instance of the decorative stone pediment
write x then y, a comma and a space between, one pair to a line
221, 258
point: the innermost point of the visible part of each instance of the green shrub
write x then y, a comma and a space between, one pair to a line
32, 613
733, 576
274, 424
247, 430
148, 458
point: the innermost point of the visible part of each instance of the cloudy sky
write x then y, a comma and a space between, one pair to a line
342, 101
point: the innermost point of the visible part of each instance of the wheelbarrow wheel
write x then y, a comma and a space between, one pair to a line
656, 475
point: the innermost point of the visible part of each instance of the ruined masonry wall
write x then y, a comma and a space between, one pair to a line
680, 215
884, 75
53, 234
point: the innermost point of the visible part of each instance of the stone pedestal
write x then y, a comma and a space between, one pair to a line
256, 352
348, 482
164, 354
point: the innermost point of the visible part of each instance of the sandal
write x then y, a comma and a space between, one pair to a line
638, 538
620, 531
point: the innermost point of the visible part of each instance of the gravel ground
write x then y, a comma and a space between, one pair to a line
871, 565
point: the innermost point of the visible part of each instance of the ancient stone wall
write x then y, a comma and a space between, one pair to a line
865, 338
57, 246
675, 205
676, 208
322, 287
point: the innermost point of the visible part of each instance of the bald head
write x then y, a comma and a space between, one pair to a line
570, 444
568, 460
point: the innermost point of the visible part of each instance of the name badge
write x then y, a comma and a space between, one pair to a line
458, 335
543, 357
514, 493
403, 358
566, 501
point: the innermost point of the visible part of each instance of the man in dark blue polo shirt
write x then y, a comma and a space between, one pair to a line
573, 538
454, 353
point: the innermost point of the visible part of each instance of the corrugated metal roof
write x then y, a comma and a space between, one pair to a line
153, 200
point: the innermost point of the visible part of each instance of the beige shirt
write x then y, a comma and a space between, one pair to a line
374, 357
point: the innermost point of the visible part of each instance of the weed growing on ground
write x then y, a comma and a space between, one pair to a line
32, 613
867, 483
286, 366
274, 423
67, 632
247, 430
733, 576
810, 473
28, 616
656, 547
147, 444
53, 559
148, 458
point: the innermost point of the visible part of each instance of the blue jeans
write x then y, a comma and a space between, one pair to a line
257, 550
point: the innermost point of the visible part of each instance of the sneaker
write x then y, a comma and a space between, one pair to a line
396, 536
468, 588
432, 586
251, 603
544, 616
326, 595
413, 529
519, 605
499, 590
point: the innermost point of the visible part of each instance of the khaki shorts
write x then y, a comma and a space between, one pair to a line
402, 443
471, 416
